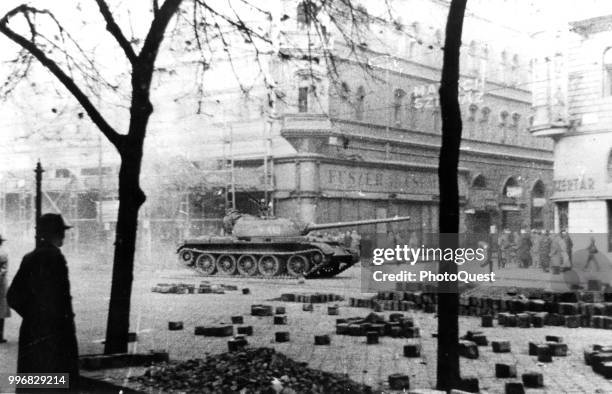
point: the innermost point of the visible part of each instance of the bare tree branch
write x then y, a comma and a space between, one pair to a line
106, 129
114, 29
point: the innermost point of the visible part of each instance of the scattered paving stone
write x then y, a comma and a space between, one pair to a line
399, 381
514, 388
533, 379
248, 370
342, 329
554, 338
261, 310
558, 349
573, 321
333, 310
175, 325
322, 340
307, 307
245, 330
282, 336
486, 321
468, 349
544, 354
396, 317
237, 320
280, 310
280, 320
236, 344
505, 371
523, 320
312, 298
410, 332
246, 291
215, 331
372, 337
598, 359
606, 370
469, 384
412, 350
501, 346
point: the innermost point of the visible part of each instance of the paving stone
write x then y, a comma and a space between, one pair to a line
175, 325
245, 330
501, 346
412, 350
469, 384
372, 337
280, 319
523, 320
342, 329
307, 307
236, 344
514, 388
598, 359
280, 310
533, 348
356, 330
572, 321
486, 321
553, 338
568, 308
237, 320
468, 349
606, 370
261, 310
321, 340
537, 319
246, 291
410, 332
333, 310
281, 336
544, 354
558, 349
505, 371
533, 379
398, 381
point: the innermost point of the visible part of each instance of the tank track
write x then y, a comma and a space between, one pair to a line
257, 275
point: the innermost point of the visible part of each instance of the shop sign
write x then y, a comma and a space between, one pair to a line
427, 96
335, 177
539, 202
574, 184
514, 191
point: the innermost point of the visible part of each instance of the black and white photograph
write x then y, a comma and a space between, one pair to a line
306, 196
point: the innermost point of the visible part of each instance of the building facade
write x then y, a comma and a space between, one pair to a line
573, 109
360, 141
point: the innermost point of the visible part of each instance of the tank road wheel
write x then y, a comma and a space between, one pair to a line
297, 265
186, 257
247, 265
268, 265
226, 264
205, 264
316, 258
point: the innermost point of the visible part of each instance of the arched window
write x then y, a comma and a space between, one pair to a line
480, 182
610, 167
607, 65
306, 13
398, 98
359, 99
512, 188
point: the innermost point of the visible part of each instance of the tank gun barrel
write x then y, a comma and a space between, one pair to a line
323, 226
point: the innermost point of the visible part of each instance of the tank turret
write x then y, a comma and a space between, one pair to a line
272, 247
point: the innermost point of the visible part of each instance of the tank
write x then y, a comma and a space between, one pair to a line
272, 247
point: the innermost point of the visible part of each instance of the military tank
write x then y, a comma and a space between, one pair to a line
271, 247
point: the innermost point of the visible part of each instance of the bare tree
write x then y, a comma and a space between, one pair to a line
77, 71
448, 373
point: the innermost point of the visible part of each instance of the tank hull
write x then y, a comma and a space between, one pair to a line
291, 257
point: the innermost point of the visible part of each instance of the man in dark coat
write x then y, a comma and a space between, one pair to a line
40, 293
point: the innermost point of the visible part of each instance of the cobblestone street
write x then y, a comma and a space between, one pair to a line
370, 364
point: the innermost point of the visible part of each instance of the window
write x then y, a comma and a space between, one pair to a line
538, 201
480, 182
607, 64
344, 91
609, 206
398, 98
303, 99
486, 112
62, 173
359, 99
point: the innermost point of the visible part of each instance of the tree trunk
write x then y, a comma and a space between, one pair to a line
448, 373
131, 198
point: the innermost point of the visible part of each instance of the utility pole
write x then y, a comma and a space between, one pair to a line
38, 202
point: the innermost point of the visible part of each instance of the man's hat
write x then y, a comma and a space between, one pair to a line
52, 223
